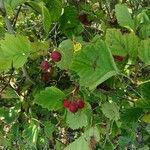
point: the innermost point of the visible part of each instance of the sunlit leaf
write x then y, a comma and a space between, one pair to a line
14, 50
9, 115
9, 93
85, 141
3, 141
131, 44
30, 133
49, 128
94, 64
111, 111
66, 49
50, 98
77, 120
124, 17
144, 52
115, 41
46, 18
144, 31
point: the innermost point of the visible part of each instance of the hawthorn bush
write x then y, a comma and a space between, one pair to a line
75, 75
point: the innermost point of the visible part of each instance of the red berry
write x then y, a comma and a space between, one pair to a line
46, 76
118, 58
56, 56
84, 19
66, 103
73, 107
80, 104
45, 65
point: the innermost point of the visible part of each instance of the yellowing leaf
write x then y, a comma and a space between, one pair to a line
146, 118
77, 47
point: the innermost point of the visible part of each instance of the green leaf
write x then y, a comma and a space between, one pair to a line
14, 132
145, 104
2, 28
40, 46
66, 48
9, 115
144, 90
69, 22
115, 40
50, 11
124, 141
146, 118
131, 44
144, 52
69, 17
40, 49
84, 142
148, 128
55, 9
35, 6
131, 115
49, 128
143, 17
9, 93
30, 133
46, 18
14, 50
122, 44
94, 64
15, 3
5, 63
77, 120
146, 147
50, 98
144, 31
124, 17
111, 110
3, 141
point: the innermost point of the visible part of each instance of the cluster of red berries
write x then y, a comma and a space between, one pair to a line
47, 68
74, 106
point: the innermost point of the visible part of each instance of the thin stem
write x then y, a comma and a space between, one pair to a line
16, 17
